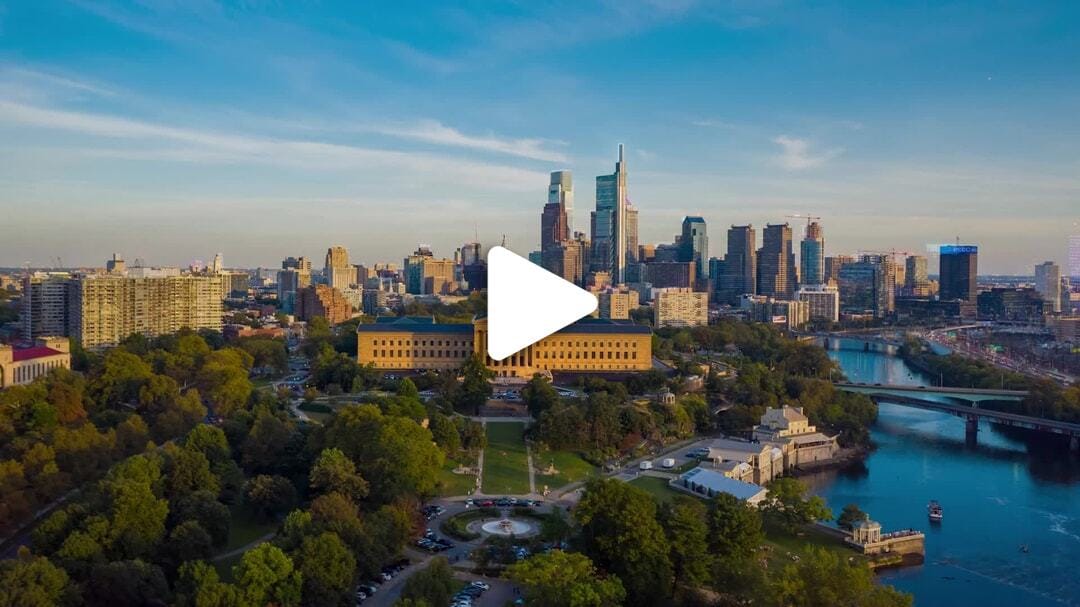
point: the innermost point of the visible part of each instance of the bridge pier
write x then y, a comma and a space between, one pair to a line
971, 431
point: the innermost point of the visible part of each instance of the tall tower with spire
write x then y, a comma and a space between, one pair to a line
609, 222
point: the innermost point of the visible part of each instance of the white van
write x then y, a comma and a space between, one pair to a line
669, 462
645, 465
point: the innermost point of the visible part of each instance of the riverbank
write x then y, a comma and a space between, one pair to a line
843, 458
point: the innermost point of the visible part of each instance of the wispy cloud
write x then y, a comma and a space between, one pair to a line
796, 154
433, 131
225, 147
712, 123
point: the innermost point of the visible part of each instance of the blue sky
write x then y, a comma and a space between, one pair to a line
172, 129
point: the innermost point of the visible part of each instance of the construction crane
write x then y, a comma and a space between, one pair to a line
808, 218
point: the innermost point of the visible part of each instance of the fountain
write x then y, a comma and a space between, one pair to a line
507, 527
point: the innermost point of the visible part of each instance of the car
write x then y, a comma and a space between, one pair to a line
481, 585
368, 588
386, 577
487, 504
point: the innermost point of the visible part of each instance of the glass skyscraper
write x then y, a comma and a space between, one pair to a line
958, 269
812, 255
609, 222
694, 245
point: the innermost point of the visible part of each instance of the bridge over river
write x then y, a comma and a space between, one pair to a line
965, 405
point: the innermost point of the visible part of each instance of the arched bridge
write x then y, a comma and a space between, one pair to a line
966, 406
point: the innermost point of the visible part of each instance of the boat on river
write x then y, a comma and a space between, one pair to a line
935, 511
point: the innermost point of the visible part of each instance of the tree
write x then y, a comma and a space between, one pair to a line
565, 579
208, 440
825, 578
407, 389
327, 568
137, 522
189, 542
269, 496
684, 521
191, 472
198, 585
132, 435
30, 581
735, 533
203, 508
125, 583
788, 505
445, 432
223, 379
264, 447
433, 584
334, 471
621, 535
265, 575
539, 395
475, 389
850, 515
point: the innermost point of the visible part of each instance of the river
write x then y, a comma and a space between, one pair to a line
1009, 491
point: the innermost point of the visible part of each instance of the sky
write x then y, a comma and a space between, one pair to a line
169, 130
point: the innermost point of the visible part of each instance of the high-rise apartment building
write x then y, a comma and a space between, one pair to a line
561, 191
776, 262
680, 308
615, 303
609, 223
325, 301
664, 274
823, 301
1048, 284
105, 309
959, 268
694, 246
44, 310
414, 273
812, 255
565, 260
887, 263
739, 275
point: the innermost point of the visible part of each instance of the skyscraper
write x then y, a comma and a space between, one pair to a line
916, 279
776, 262
739, 275
561, 190
609, 222
959, 268
694, 245
1048, 284
218, 265
812, 255
833, 265
1074, 255
863, 288
553, 226
295, 274
337, 271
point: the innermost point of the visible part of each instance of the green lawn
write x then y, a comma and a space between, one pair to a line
506, 468
783, 542
657, 487
455, 484
569, 466
245, 529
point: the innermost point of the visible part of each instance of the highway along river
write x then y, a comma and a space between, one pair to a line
1011, 533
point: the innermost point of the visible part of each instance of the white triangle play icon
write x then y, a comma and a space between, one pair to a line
526, 303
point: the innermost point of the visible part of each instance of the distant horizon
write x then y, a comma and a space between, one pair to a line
166, 129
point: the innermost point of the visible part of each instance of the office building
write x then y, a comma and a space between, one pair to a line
105, 309
916, 279
665, 274
887, 263
833, 265
561, 191
812, 255
589, 345
823, 302
863, 289
325, 301
609, 223
1074, 256
295, 274
337, 270
1048, 284
959, 268
375, 302
21, 366
44, 305
1012, 304
565, 260
1066, 329
413, 270
554, 228
776, 262
739, 275
694, 246
680, 308
116, 265
235, 284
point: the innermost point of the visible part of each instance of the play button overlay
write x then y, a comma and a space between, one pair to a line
526, 303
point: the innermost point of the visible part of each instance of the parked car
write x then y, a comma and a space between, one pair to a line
645, 465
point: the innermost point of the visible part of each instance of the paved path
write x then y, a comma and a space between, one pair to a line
242, 549
532, 471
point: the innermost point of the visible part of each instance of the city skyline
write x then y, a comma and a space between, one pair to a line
141, 135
